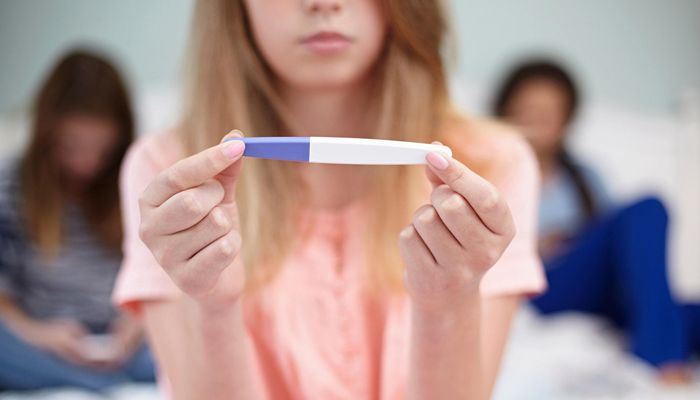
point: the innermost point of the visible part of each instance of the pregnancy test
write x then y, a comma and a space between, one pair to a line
336, 150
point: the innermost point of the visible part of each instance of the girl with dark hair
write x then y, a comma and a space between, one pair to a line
60, 238
602, 259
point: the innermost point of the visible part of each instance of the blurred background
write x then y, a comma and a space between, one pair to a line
636, 61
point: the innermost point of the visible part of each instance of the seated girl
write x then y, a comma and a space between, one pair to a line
60, 237
600, 257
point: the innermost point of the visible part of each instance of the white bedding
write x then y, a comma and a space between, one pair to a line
568, 357
575, 356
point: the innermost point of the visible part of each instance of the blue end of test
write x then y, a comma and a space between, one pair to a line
288, 148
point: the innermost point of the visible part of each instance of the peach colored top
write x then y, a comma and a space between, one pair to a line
318, 333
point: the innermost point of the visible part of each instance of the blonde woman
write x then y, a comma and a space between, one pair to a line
268, 279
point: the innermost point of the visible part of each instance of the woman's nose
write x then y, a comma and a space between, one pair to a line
322, 7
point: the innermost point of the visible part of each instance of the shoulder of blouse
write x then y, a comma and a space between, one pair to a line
490, 147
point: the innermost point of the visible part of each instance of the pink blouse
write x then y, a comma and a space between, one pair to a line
318, 332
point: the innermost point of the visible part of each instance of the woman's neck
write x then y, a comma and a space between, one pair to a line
331, 113
548, 166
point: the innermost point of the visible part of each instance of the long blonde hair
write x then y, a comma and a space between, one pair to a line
230, 86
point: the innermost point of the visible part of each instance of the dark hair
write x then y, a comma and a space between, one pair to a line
552, 72
81, 83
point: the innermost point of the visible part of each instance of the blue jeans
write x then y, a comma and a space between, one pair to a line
24, 367
692, 317
616, 268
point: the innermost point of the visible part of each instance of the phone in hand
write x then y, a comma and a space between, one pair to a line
100, 348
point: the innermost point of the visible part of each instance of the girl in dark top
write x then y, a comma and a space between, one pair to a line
60, 238
602, 259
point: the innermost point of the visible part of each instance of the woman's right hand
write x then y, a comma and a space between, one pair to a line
63, 338
189, 221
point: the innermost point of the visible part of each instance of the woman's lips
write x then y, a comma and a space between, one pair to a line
326, 42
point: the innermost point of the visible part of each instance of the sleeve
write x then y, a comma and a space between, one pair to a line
140, 278
519, 270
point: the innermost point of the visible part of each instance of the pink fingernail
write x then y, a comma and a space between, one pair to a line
232, 134
233, 148
437, 160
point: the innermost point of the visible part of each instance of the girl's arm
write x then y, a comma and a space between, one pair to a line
16, 319
204, 353
189, 222
457, 338
63, 338
462, 347
446, 354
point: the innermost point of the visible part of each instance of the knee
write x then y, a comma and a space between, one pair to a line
648, 209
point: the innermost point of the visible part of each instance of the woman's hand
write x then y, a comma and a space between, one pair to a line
62, 338
189, 221
128, 337
455, 239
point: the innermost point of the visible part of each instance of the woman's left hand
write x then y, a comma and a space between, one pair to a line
128, 337
455, 239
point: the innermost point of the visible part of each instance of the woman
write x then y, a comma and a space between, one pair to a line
60, 236
265, 279
600, 258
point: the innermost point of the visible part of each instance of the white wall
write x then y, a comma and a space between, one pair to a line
636, 53
147, 39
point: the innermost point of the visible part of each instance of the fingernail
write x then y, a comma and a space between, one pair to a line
233, 148
437, 160
233, 134
406, 231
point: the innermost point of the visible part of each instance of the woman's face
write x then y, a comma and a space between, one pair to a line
84, 146
539, 108
318, 44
